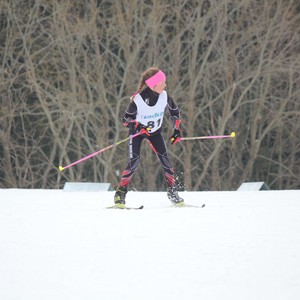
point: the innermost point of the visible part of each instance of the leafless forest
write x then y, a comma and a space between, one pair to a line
69, 67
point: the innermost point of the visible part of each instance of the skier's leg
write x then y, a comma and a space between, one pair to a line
158, 145
134, 159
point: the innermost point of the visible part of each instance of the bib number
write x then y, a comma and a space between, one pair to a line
152, 124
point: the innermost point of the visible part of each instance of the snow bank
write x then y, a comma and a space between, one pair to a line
65, 245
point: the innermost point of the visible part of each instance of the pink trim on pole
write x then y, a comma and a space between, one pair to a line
156, 79
97, 152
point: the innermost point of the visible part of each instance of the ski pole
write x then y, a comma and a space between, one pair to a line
61, 168
232, 135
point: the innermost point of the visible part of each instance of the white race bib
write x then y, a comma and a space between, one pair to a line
151, 116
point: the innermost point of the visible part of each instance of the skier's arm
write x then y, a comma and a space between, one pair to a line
130, 122
176, 119
130, 114
174, 112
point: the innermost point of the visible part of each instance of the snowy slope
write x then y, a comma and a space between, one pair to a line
65, 245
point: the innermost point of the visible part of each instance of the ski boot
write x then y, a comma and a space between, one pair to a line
174, 197
119, 197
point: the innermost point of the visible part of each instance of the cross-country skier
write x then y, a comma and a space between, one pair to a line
145, 114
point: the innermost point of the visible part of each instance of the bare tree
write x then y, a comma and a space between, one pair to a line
68, 69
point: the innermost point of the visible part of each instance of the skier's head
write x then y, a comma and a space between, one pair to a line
154, 78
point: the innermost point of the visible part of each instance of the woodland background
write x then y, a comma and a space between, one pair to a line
68, 68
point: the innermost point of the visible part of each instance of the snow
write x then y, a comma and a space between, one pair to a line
66, 245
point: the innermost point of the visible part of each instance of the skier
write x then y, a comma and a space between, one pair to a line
145, 114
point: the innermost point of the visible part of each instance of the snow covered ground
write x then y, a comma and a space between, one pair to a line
65, 245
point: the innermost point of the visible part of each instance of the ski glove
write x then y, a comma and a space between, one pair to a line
175, 138
142, 129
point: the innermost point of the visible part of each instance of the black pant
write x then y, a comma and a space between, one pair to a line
158, 145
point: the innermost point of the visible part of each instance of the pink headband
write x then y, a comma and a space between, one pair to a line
156, 79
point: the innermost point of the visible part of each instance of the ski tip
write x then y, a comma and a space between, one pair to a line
189, 205
140, 207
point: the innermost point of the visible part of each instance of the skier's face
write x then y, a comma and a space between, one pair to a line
159, 87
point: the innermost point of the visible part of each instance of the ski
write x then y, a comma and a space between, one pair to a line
189, 205
142, 206
125, 207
